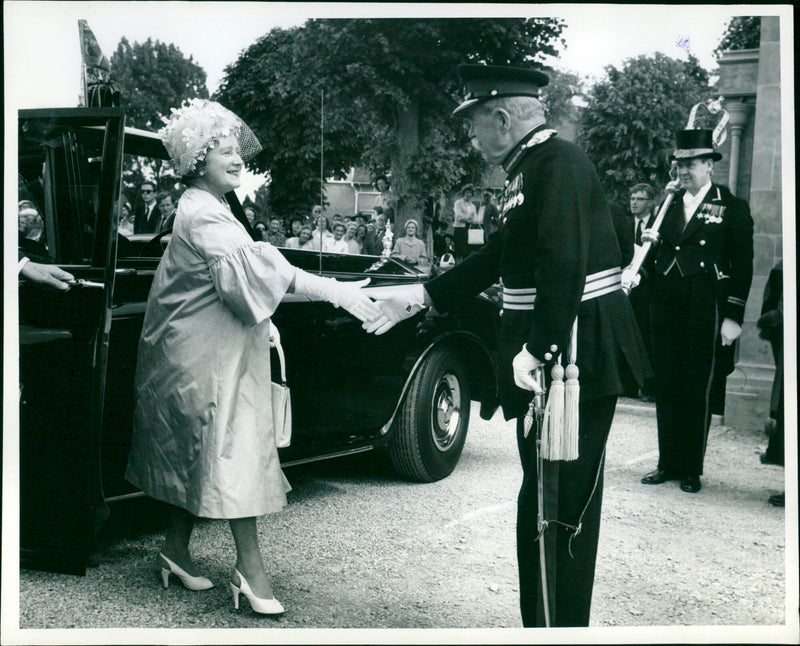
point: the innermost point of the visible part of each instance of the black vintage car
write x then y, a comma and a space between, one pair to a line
407, 392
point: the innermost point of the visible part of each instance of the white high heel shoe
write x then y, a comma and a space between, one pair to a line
194, 583
259, 605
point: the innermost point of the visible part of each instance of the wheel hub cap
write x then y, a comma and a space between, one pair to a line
446, 411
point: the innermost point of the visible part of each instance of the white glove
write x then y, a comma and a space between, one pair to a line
730, 331
672, 186
523, 365
397, 307
346, 295
630, 280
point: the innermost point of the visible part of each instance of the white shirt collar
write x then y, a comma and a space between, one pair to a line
690, 200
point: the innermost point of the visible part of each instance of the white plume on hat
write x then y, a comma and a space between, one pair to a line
197, 127
710, 120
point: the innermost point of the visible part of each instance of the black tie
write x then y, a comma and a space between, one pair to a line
639, 232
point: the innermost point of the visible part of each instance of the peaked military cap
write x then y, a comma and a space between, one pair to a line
695, 143
486, 82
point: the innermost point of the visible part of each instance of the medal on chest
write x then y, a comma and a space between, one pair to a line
511, 196
711, 213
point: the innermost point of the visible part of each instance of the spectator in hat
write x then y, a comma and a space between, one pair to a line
125, 219
409, 247
556, 246
701, 272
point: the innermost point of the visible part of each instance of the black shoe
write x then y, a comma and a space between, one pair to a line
690, 484
778, 499
766, 458
658, 476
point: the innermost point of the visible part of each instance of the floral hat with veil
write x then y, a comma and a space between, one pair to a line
198, 126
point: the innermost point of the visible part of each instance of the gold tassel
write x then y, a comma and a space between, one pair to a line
572, 391
554, 429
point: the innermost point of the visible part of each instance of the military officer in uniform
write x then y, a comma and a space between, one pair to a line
700, 276
556, 245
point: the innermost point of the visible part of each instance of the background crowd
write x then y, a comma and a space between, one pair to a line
444, 240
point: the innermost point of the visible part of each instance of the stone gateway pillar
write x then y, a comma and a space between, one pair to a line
750, 86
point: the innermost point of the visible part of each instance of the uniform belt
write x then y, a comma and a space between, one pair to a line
597, 284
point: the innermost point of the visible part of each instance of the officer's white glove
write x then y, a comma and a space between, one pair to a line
672, 186
630, 279
346, 295
523, 365
397, 306
730, 331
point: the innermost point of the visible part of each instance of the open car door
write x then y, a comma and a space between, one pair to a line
70, 168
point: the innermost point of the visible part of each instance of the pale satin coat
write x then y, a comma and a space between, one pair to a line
202, 429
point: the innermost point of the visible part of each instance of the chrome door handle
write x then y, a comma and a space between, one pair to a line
80, 282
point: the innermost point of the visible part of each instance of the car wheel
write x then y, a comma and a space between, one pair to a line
430, 431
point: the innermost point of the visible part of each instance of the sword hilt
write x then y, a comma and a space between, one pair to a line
537, 404
540, 398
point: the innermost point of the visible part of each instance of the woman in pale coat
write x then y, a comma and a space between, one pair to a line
411, 248
203, 440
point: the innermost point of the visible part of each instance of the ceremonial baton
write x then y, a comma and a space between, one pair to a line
641, 252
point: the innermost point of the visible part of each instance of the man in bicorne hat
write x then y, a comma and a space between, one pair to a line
700, 277
556, 245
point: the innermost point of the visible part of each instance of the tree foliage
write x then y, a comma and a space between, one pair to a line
742, 32
153, 77
629, 123
557, 96
388, 85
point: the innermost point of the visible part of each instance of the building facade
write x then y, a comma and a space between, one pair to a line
749, 83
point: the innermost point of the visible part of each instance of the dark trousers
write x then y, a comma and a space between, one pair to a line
775, 453
640, 303
685, 335
571, 490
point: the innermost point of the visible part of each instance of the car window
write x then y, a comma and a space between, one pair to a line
58, 180
144, 158
336, 263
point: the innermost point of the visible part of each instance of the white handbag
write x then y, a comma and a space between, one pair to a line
475, 235
281, 397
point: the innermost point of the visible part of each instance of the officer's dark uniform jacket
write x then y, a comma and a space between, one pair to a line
555, 230
717, 241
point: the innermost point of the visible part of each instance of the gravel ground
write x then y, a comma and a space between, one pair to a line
358, 548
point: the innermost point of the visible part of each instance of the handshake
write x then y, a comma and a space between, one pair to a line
391, 304
395, 305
